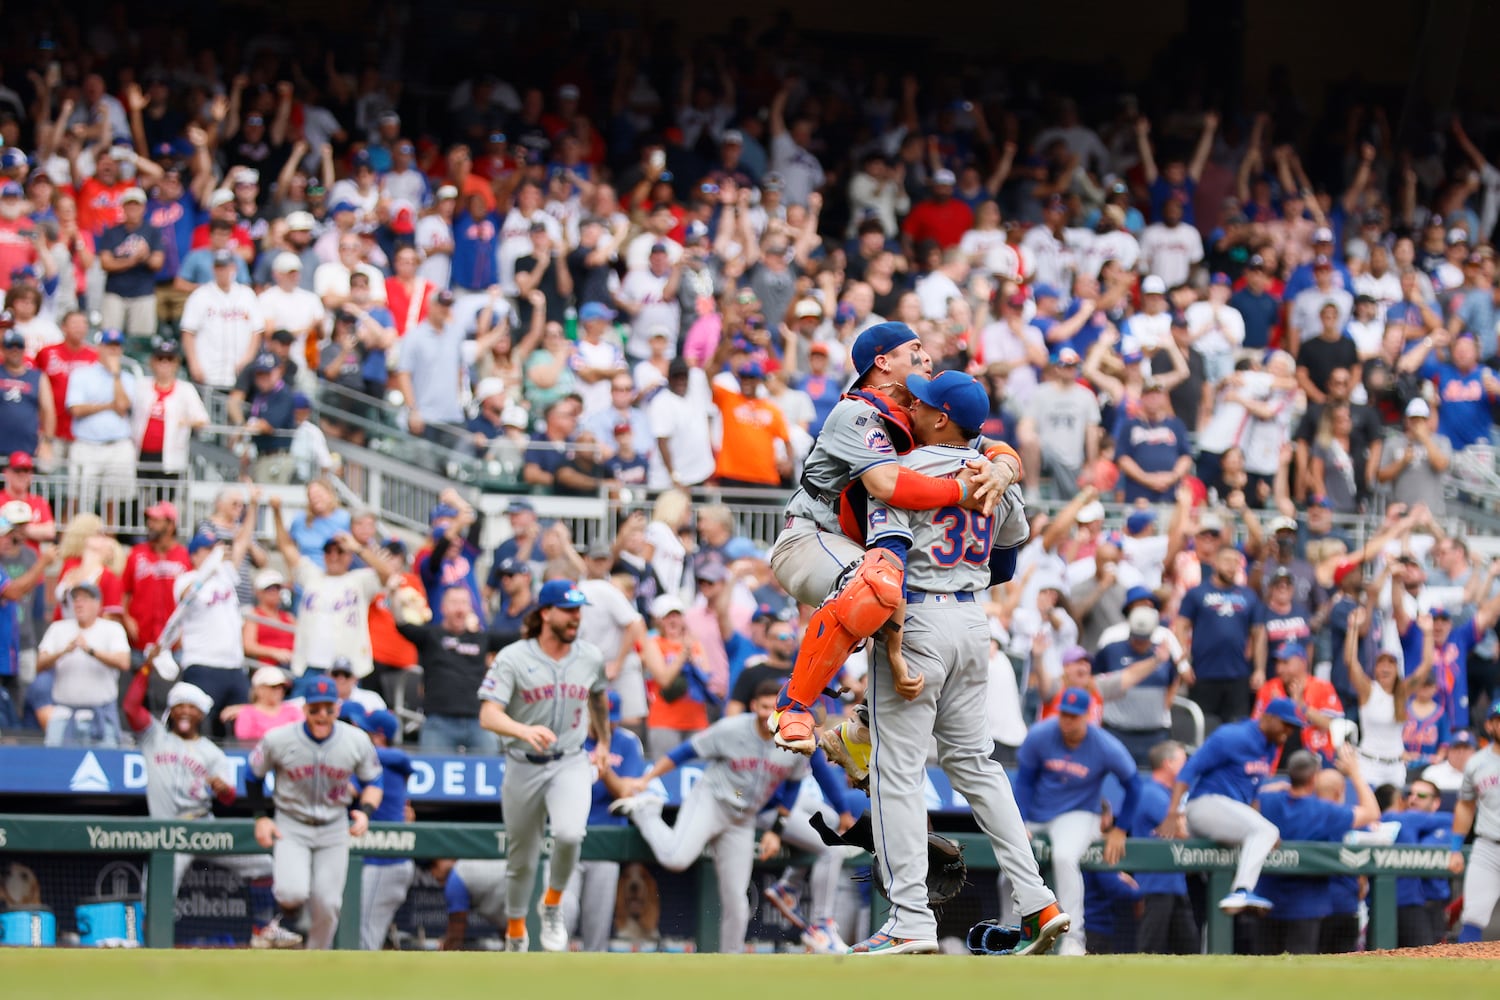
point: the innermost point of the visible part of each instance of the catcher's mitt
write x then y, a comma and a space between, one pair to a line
947, 873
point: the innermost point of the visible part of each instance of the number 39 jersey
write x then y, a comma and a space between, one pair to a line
949, 548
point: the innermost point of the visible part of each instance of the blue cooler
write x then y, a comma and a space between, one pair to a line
111, 923
35, 928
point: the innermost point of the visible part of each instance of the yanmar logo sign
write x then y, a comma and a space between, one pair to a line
1409, 857
401, 841
1354, 859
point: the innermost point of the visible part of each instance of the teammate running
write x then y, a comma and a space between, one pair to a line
1060, 776
186, 774
385, 881
542, 697
744, 774
1223, 778
1478, 809
814, 558
945, 641
314, 762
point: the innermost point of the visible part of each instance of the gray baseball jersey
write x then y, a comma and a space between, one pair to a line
312, 778
537, 690
178, 773
853, 441
744, 770
486, 882
949, 547
1481, 785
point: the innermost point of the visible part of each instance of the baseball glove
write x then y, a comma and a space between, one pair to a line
947, 873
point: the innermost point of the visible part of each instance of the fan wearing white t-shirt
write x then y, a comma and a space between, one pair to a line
333, 611
88, 653
286, 305
212, 651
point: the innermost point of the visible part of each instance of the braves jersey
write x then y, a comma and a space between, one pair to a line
312, 778
179, 772
1232, 762
948, 548
536, 690
743, 768
852, 442
1481, 785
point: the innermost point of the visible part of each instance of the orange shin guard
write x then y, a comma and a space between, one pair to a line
849, 617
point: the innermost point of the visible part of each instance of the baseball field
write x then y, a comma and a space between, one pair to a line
229, 975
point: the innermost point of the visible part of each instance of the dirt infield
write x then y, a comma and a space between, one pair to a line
1488, 950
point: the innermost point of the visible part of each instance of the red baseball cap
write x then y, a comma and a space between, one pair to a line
1343, 569
21, 460
166, 509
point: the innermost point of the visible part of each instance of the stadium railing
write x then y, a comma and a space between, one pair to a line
158, 840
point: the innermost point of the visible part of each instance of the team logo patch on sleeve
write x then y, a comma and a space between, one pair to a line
876, 440
877, 518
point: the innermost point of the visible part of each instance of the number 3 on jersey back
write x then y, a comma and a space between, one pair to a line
966, 536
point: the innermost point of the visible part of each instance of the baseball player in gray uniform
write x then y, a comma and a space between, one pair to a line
313, 762
1478, 809
185, 773
543, 696
744, 771
470, 886
945, 642
856, 591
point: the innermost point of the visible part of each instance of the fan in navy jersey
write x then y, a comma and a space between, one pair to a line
1282, 618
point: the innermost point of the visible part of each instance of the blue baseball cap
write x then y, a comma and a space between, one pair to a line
561, 594
354, 714
265, 362
1285, 710
511, 567
518, 506
441, 512
10, 189
1291, 650
382, 722
1075, 701
114, 337
958, 394
595, 310
343, 206
320, 691
203, 540
882, 338
1140, 521
1040, 292
751, 369
1138, 593
12, 158
300, 401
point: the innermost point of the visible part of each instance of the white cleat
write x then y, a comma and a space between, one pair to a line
273, 935
633, 804
522, 943
554, 931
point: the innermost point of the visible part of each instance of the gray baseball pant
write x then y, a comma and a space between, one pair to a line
383, 889
310, 865
1070, 834
530, 796
1222, 819
1481, 882
948, 643
701, 821
807, 561
588, 903
823, 877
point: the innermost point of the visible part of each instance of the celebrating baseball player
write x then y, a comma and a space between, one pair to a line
314, 763
744, 774
1059, 784
384, 881
945, 642
185, 773
543, 696
814, 558
1220, 782
1478, 809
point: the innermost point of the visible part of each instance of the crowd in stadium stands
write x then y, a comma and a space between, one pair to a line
618, 279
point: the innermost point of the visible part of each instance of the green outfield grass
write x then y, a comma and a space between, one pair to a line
242, 975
